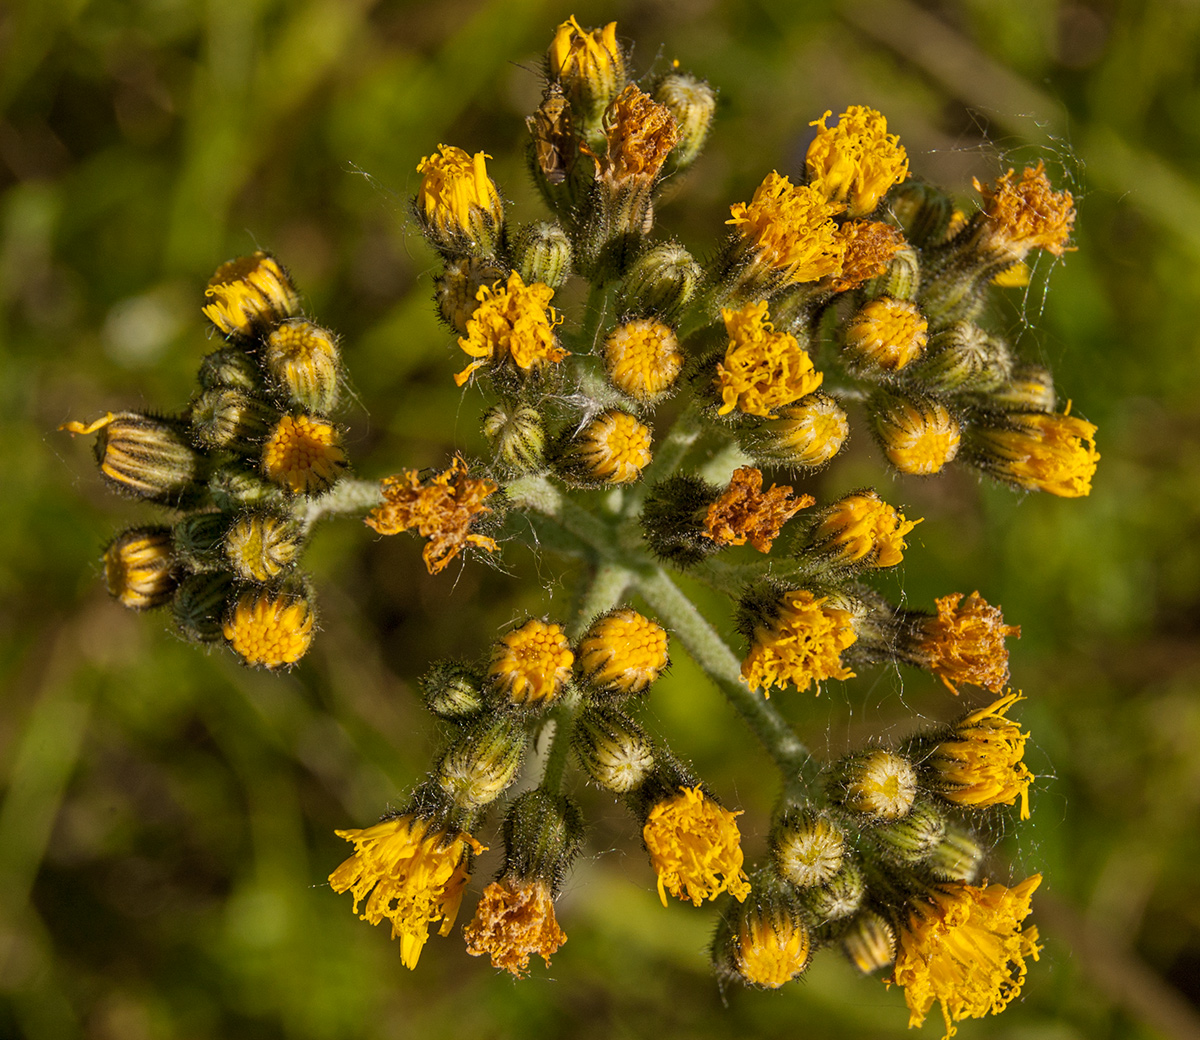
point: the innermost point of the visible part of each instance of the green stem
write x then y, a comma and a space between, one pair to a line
347, 496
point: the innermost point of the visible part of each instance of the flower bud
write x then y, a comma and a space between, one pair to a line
879, 784
147, 457
200, 604
233, 487
613, 749
692, 102
1029, 389
660, 283
902, 278
303, 455
452, 691
841, 896
922, 211
517, 436
963, 357
458, 205
530, 664
910, 840
869, 942
303, 362
1038, 451
643, 359
199, 540
542, 253
543, 834
763, 941
918, 435
613, 448
270, 629
861, 529
808, 433
957, 857
590, 67
456, 289
140, 569
231, 420
807, 847
477, 768
230, 368
261, 546
885, 335
250, 294
622, 652
673, 519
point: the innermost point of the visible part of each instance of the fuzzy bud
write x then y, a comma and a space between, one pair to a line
673, 519
231, 420
912, 839
303, 361
200, 603
199, 540
542, 253
841, 896
140, 569
230, 368
964, 357
880, 785
452, 691
870, 942
660, 283
763, 941
249, 294
692, 102
957, 857
622, 653
918, 434
518, 437
456, 289
808, 433
477, 768
613, 448
233, 487
922, 211
807, 847
262, 546
543, 834
613, 749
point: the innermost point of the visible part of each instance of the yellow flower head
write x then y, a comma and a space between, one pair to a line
261, 546
695, 848
802, 645
870, 246
249, 294
918, 437
1042, 452
763, 369
965, 642
410, 872
302, 359
139, 568
515, 919
807, 433
773, 948
791, 229
623, 652
857, 161
270, 630
863, 526
442, 509
1024, 215
981, 764
613, 448
964, 948
745, 513
643, 359
531, 663
457, 199
589, 65
303, 455
640, 134
887, 334
512, 323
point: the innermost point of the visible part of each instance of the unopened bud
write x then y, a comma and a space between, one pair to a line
879, 784
475, 771
808, 433
922, 211
901, 280
302, 360
918, 435
692, 102
957, 857
140, 569
673, 519
456, 289
613, 749
452, 691
613, 448
841, 896
589, 64
249, 294
233, 487
660, 283
230, 368
764, 940
964, 357
303, 455
543, 834
807, 847
231, 420
870, 942
518, 437
200, 603
643, 359
261, 546
199, 540
622, 652
1030, 389
908, 841
885, 335
542, 253
271, 628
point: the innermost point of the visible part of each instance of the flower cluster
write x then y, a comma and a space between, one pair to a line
635, 436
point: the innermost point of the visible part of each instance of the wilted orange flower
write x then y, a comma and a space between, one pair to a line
965, 642
514, 920
745, 513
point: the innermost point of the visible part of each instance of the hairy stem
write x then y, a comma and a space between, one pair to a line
347, 496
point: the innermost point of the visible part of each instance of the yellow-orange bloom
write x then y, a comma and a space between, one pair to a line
964, 948
763, 369
303, 455
457, 199
695, 848
249, 294
514, 323
791, 229
270, 630
514, 920
965, 642
588, 64
746, 513
856, 161
623, 652
887, 334
807, 433
1024, 215
863, 525
802, 645
613, 448
981, 763
531, 663
411, 873
773, 948
1043, 452
643, 359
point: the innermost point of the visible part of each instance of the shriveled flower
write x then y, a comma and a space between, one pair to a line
745, 513
981, 762
695, 848
531, 663
249, 294
140, 568
801, 645
303, 455
807, 433
763, 369
514, 920
270, 630
887, 334
791, 230
623, 651
919, 437
411, 872
458, 201
870, 246
442, 509
964, 948
588, 64
965, 642
1023, 215
613, 448
640, 134
643, 359
862, 526
856, 161
773, 947
513, 323
1039, 451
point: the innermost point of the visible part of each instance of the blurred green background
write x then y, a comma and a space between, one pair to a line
167, 818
